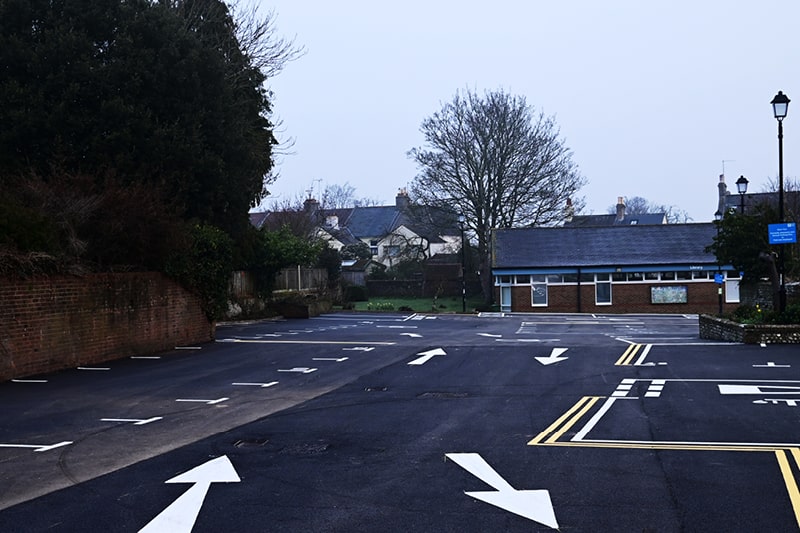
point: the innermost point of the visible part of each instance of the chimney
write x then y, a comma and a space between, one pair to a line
620, 210
569, 211
723, 195
311, 206
402, 200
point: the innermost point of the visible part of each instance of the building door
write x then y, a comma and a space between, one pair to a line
732, 291
505, 298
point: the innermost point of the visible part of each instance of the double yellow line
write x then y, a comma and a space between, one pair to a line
627, 356
566, 421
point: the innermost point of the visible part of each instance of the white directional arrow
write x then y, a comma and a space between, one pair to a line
336, 359
426, 356
412, 335
134, 421
181, 515
262, 385
492, 335
38, 447
531, 504
359, 349
299, 370
553, 357
209, 402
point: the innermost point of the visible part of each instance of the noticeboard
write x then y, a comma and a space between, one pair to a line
785, 233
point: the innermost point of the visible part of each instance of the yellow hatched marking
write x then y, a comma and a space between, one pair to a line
627, 356
789, 480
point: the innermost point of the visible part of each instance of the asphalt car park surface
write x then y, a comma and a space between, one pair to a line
356, 422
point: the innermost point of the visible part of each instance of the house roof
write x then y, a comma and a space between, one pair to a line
611, 220
257, 219
374, 222
667, 244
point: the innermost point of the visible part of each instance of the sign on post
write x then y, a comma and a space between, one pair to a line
785, 233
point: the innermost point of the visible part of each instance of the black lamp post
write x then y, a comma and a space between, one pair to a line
780, 107
741, 186
718, 218
461, 223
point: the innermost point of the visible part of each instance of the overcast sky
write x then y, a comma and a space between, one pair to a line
650, 96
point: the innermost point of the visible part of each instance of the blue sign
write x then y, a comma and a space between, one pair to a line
719, 278
785, 233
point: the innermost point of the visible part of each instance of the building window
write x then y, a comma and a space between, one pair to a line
373, 246
392, 250
538, 294
602, 289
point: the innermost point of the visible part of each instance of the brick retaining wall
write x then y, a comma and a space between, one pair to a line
720, 329
53, 323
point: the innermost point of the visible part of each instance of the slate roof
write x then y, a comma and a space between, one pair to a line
751, 199
667, 244
611, 220
373, 222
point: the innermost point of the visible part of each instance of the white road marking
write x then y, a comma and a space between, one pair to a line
426, 356
38, 447
209, 402
181, 514
134, 421
262, 385
531, 504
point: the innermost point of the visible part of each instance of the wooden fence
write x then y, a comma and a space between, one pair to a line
242, 284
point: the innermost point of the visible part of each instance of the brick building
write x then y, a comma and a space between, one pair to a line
660, 268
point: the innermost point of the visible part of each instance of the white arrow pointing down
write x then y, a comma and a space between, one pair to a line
531, 504
181, 515
553, 357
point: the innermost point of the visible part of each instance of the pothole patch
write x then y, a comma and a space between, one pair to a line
442, 395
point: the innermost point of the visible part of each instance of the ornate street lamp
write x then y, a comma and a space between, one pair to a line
462, 220
741, 186
780, 107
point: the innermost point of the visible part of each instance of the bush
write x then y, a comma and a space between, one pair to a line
790, 316
355, 293
205, 268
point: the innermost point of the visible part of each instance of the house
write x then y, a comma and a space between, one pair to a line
620, 218
734, 202
393, 233
661, 268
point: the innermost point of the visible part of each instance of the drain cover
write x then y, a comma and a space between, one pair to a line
376, 389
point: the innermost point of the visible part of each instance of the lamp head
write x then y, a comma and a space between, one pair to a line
780, 105
741, 184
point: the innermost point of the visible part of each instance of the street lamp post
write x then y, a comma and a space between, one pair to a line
780, 107
741, 186
461, 223
718, 218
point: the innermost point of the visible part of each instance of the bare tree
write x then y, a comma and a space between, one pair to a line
637, 205
343, 196
497, 162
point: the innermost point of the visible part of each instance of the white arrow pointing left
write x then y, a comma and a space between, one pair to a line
181, 515
531, 504
553, 357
